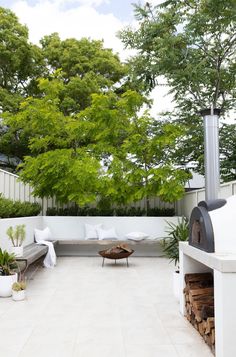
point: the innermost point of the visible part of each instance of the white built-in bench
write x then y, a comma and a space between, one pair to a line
70, 234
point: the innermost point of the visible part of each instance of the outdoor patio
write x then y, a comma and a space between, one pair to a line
80, 309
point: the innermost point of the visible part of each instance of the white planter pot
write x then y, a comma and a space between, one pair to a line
18, 251
6, 284
18, 295
176, 284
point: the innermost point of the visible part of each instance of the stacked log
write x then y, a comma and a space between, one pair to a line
199, 302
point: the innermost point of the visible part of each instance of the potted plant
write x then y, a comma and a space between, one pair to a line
170, 244
8, 274
18, 290
17, 236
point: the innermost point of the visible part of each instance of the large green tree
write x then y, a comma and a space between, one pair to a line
192, 45
20, 65
86, 67
70, 153
81, 134
105, 150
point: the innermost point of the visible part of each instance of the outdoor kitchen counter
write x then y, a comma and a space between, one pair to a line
223, 267
225, 263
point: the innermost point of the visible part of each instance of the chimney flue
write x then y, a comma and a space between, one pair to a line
211, 152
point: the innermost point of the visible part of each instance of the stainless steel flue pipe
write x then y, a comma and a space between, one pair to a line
211, 152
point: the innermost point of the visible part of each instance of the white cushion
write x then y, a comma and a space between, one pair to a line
137, 236
107, 233
44, 234
91, 231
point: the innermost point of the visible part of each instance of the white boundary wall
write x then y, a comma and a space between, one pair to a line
30, 224
69, 228
192, 198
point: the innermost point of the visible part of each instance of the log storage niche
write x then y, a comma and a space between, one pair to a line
199, 303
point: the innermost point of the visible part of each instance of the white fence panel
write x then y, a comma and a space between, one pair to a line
192, 198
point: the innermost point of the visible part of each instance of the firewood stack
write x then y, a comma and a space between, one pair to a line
199, 301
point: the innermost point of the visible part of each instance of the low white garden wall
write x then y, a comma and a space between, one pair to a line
30, 224
68, 228
73, 227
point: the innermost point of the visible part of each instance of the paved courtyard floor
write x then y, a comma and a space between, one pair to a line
80, 309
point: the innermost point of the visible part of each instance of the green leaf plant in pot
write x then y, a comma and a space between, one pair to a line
170, 244
8, 274
17, 236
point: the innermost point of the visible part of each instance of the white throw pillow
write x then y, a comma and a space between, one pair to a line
137, 236
44, 234
107, 233
91, 231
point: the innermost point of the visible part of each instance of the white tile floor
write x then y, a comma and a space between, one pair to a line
80, 309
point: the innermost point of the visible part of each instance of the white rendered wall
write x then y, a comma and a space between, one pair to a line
30, 224
73, 227
191, 199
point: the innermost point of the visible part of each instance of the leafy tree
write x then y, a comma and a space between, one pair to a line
20, 64
106, 150
80, 135
138, 160
86, 68
67, 151
149, 170
192, 44
228, 152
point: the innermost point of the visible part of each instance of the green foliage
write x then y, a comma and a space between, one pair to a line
83, 67
67, 175
161, 212
82, 135
142, 167
11, 209
17, 235
175, 234
228, 152
118, 211
7, 263
21, 63
18, 286
190, 46
86, 68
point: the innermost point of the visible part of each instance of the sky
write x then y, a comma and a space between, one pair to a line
96, 19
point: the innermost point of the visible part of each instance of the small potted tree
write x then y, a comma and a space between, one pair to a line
8, 274
17, 236
170, 244
18, 290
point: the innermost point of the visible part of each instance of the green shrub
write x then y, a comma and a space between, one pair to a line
161, 212
7, 263
175, 233
108, 211
11, 209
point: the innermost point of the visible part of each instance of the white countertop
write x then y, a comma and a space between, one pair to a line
225, 262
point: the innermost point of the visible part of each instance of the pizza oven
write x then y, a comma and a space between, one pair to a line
213, 226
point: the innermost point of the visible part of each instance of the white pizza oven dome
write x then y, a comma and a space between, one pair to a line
213, 226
